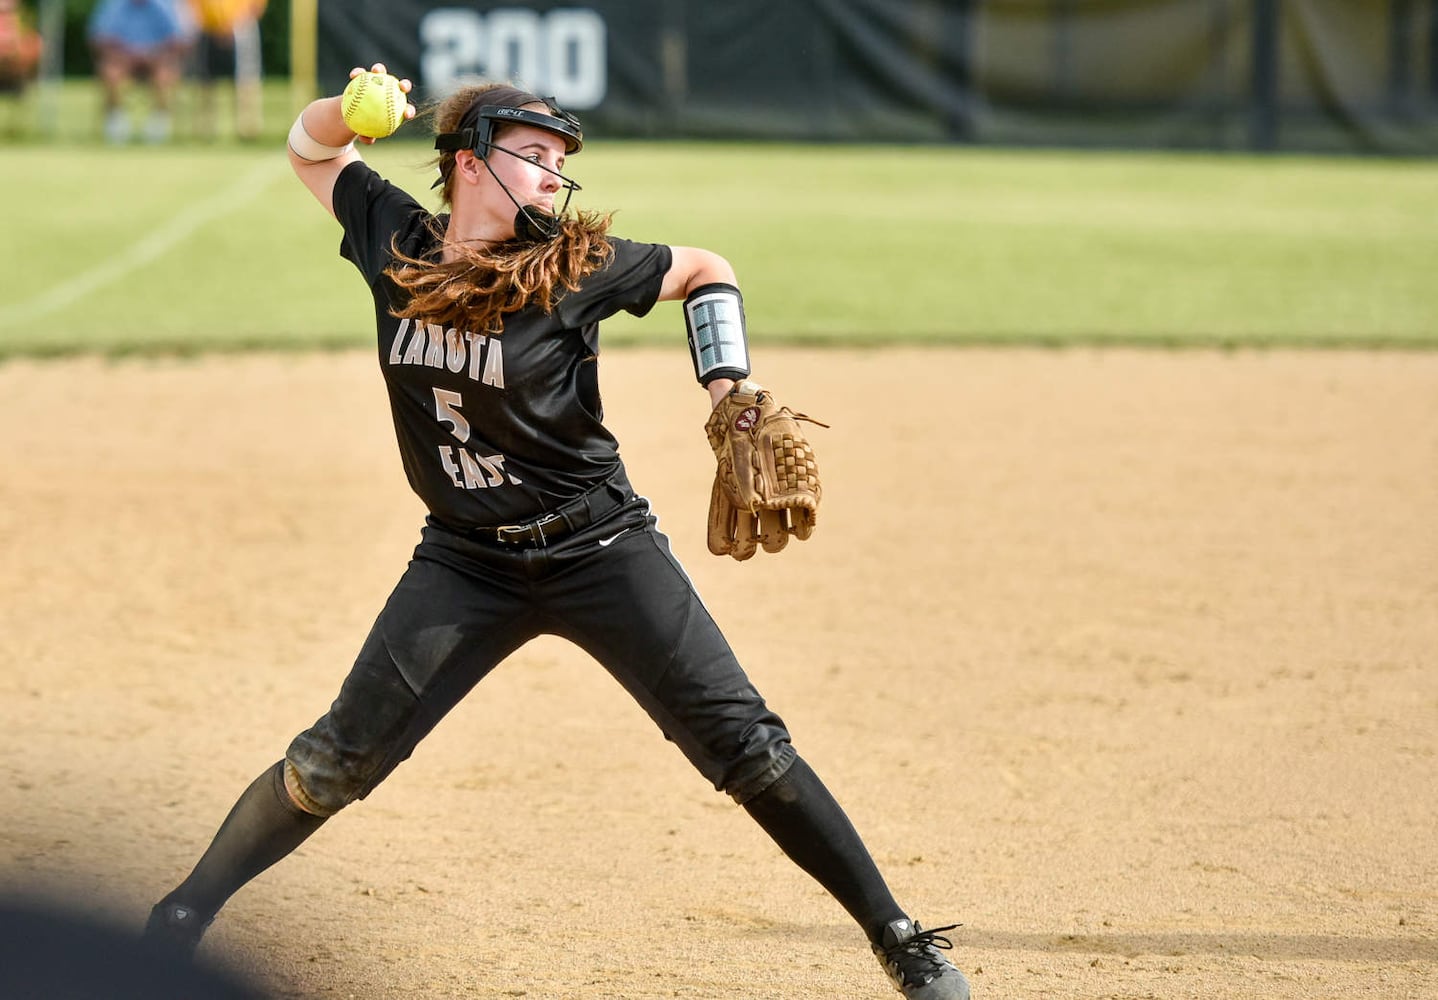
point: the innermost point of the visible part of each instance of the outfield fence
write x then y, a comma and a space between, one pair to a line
1328, 75
1333, 76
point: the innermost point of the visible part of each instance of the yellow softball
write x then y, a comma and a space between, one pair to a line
373, 104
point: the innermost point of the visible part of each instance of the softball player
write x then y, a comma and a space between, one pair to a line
487, 320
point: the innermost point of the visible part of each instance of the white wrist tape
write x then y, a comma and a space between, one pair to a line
306, 148
718, 340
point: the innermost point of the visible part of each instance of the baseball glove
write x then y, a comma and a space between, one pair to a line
767, 485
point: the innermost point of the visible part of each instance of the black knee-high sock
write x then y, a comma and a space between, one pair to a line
263, 827
812, 829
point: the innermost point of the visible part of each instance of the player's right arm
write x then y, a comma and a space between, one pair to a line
321, 145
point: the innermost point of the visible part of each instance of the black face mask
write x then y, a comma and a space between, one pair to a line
533, 224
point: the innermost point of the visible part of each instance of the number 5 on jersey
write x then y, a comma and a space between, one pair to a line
466, 469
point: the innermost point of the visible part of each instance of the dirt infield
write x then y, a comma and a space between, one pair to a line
1128, 661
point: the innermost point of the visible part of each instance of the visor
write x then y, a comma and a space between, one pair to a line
505, 106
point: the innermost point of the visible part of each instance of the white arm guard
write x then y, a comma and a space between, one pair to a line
718, 338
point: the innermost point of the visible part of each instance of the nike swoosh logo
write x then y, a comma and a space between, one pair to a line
606, 542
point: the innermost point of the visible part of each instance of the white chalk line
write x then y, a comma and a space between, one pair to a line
152, 246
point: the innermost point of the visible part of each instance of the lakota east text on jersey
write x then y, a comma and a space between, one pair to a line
493, 428
481, 360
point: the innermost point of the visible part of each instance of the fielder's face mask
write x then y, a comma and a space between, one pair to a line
505, 106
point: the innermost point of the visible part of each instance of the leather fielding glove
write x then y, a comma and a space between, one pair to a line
766, 487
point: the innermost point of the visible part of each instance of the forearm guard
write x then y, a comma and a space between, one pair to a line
718, 338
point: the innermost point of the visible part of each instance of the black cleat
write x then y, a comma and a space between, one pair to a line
916, 966
175, 929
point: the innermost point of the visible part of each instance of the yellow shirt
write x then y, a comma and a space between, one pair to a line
218, 17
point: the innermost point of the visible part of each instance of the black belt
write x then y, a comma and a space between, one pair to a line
579, 513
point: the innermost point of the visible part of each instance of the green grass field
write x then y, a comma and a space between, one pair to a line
195, 247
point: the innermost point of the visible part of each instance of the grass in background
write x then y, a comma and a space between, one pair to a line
69, 113
983, 245
195, 247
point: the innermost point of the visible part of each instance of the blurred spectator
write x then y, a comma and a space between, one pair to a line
140, 40
19, 49
229, 42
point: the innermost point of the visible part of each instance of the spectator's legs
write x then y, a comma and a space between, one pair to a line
206, 58
248, 73
166, 69
113, 68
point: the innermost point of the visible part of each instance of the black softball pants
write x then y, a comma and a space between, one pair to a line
463, 605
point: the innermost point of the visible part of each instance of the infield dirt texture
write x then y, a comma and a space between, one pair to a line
1127, 661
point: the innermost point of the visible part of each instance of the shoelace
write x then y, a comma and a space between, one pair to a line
917, 947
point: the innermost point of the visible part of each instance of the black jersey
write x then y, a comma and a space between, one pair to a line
492, 429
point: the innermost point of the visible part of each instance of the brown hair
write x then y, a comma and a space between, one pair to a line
485, 282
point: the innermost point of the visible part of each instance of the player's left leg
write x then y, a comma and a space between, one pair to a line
649, 628
811, 828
